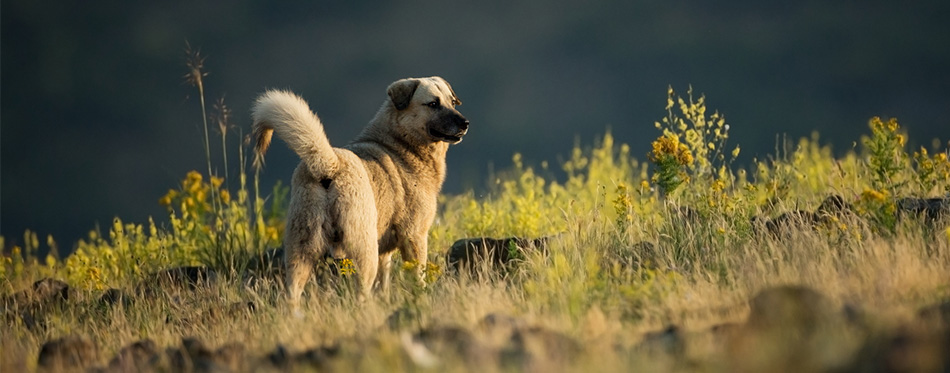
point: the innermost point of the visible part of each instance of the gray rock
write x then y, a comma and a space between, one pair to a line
68, 353
470, 253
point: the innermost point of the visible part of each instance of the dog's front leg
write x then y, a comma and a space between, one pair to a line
416, 250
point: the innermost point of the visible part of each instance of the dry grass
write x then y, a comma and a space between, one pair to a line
563, 291
631, 277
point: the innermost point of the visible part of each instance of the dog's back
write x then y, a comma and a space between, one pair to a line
375, 195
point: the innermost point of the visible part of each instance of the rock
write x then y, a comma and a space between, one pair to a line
723, 331
29, 304
280, 357
317, 357
194, 356
834, 205
856, 316
793, 327
135, 357
791, 221
49, 289
831, 208
72, 353
910, 348
230, 356
114, 296
930, 209
29, 321
668, 341
539, 349
403, 318
469, 253
176, 279
795, 307
43, 292
497, 328
935, 315
418, 353
450, 342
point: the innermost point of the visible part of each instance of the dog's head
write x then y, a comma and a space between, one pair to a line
429, 104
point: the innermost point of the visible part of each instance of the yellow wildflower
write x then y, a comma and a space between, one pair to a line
684, 156
693, 137
892, 124
166, 200
346, 267
874, 195
193, 177
718, 185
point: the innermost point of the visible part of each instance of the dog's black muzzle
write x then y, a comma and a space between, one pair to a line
448, 128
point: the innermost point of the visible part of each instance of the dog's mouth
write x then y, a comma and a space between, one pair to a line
452, 139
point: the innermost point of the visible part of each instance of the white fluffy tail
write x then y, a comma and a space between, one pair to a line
290, 116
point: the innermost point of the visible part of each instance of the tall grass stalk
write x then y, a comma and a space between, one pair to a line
195, 76
223, 117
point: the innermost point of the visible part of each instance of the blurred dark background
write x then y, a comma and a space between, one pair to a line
97, 123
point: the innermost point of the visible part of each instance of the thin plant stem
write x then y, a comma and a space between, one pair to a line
223, 115
195, 77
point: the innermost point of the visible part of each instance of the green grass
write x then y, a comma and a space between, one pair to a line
597, 283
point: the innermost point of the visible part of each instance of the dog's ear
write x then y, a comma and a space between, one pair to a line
455, 98
400, 92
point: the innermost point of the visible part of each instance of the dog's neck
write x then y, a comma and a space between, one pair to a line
426, 155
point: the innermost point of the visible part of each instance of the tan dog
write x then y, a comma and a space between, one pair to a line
371, 197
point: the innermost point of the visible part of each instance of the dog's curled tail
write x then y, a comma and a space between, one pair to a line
290, 116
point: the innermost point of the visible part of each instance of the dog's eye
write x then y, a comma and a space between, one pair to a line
433, 104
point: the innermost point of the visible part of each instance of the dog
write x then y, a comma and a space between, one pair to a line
371, 197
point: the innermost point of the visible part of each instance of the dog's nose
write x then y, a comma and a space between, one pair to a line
464, 124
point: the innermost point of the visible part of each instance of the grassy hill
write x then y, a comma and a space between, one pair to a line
681, 261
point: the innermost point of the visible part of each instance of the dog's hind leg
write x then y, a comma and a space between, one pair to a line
298, 274
304, 237
354, 207
303, 244
366, 268
360, 244
304, 241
